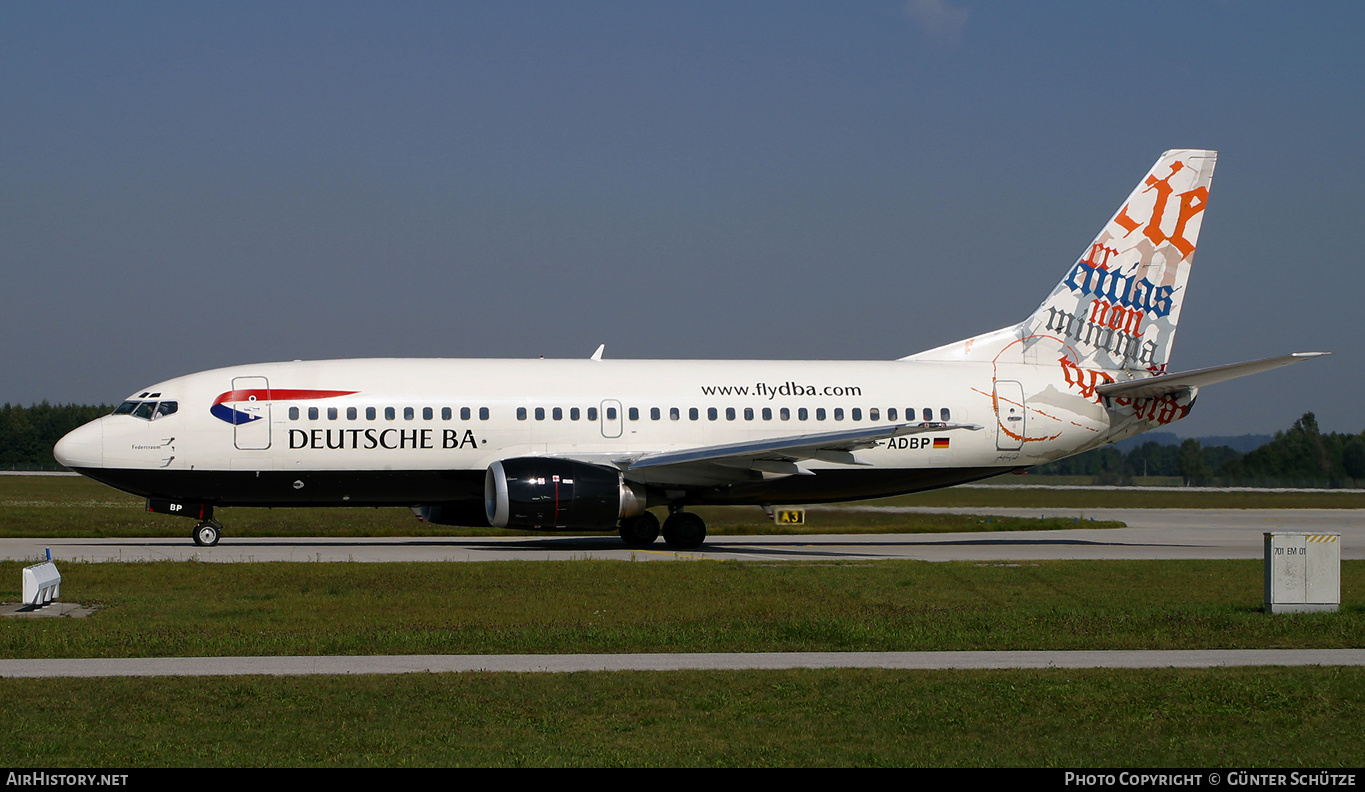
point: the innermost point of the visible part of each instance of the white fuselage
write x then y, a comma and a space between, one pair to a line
399, 416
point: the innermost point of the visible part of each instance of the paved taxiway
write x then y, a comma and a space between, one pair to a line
1151, 534
570, 663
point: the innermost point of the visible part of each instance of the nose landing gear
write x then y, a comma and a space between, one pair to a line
206, 533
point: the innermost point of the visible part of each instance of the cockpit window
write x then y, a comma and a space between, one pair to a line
149, 410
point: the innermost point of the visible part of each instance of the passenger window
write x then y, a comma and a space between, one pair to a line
611, 413
873, 414
712, 413
928, 413
332, 414
802, 414
654, 414
427, 414
447, 414
521, 413
574, 414
857, 414
293, 413
312, 413
693, 414
350, 413
891, 413
729, 413
748, 413
409, 413
540, 413
785, 414
943, 414
592, 413
483, 413
674, 414
634, 413
390, 414
819, 413
767, 413
838, 413
557, 414
369, 413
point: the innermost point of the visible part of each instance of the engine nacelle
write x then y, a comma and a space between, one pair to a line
535, 492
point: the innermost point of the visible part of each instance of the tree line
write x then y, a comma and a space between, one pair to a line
1299, 456
27, 434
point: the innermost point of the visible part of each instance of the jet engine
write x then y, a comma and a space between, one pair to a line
535, 492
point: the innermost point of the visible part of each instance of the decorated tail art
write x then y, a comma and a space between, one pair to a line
1119, 305
1117, 308
1109, 323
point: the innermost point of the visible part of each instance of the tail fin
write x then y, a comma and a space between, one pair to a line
1118, 306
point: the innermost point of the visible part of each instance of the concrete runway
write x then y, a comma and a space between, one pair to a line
1151, 534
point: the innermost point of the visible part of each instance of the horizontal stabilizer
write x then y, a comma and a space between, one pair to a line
1173, 383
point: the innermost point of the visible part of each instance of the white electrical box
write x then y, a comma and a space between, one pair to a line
42, 584
1302, 572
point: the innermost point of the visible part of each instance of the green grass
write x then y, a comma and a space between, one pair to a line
1225, 717
196, 609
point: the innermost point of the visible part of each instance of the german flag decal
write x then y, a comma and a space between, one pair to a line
940, 442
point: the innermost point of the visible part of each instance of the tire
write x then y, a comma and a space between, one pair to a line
206, 534
684, 531
640, 531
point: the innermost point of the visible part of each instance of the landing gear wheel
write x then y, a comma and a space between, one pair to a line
684, 531
206, 533
640, 531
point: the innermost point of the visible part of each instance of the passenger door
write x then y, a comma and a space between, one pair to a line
251, 413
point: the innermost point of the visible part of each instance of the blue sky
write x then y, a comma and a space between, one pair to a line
192, 185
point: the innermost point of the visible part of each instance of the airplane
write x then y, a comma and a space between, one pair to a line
595, 444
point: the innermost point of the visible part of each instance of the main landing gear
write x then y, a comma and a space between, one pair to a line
682, 530
640, 531
206, 533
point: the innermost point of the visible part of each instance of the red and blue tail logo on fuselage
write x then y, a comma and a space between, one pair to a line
223, 412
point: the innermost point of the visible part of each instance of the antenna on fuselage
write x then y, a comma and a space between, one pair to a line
598, 354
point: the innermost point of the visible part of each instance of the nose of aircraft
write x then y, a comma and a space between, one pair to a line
83, 447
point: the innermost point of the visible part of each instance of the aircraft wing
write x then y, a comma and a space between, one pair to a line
779, 454
1166, 384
